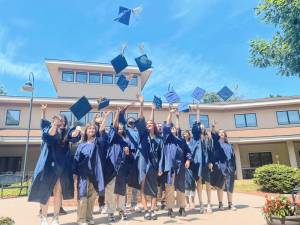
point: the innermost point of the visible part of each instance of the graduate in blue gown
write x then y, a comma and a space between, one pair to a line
224, 166
175, 158
190, 184
119, 159
148, 164
89, 170
53, 172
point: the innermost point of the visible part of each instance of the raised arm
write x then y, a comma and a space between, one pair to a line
141, 101
169, 118
43, 111
152, 113
177, 121
198, 113
116, 119
54, 125
103, 123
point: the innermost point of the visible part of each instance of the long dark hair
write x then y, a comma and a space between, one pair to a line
155, 129
62, 133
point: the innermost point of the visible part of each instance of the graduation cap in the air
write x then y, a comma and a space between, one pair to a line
183, 107
81, 107
119, 63
225, 93
171, 96
122, 82
157, 102
198, 93
124, 14
143, 62
103, 103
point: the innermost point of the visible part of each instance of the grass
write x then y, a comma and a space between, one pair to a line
15, 192
246, 186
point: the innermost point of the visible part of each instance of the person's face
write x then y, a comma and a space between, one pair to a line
222, 135
150, 125
159, 126
186, 135
91, 131
173, 131
62, 122
98, 119
120, 129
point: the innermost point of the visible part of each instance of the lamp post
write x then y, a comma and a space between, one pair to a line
28, 87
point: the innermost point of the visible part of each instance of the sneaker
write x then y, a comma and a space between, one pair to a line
44, 221
208, 208
147, 215
123, 215
221, 207
111, 218
153, 215
201, 209
55, 221
90, 222
103, 210
137, 209
182, 212
171, 213
62, 211
231, 207
163, 205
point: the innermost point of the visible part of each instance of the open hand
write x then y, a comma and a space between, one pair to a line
126, 150
187, 164
43, 107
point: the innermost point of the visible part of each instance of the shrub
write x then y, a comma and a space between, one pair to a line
277, 178
6, 221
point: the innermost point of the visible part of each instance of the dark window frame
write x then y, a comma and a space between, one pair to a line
288, 117
260, 156
137, 81
68, 71
245, 119
94, 74
81, 72
17, 110
106, 75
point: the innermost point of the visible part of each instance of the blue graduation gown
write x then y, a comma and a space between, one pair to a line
224, 161
119, 160
88, 167
175, 153
190, 184
134, 140
55, 162
148, 161
207, 157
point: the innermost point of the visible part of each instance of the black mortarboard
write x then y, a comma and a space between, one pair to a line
122, 82
198, 93
81, 107
103, 103
119, 63
157, 102
143, 62
225, 93
183, 107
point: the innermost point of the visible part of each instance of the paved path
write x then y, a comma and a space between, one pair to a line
248, 213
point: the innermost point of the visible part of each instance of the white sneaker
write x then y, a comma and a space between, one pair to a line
55, 221
91, 222
44, 220
232, 207
137, 209
104, 210
208, 208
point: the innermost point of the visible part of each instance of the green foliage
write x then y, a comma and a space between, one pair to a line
283, 51
2, 91
211, 97
15, 192
277, 178
6, 221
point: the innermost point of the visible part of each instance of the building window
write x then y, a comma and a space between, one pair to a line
68, 115
133, 115
12, 117
203, 119
81, 122
10, 164
110, 118
258, 159
94, 78
107, 78
91, 116
68, 76
245, 120
81, 77
288, 117
134, 81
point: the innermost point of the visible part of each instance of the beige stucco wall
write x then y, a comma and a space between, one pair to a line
279, 149
297, 152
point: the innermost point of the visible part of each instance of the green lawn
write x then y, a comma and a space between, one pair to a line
14, 192
246, 186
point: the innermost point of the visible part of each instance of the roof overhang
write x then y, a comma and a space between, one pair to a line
54, 66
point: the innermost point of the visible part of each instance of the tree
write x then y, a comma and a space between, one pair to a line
2, 91
283, 51
211, 97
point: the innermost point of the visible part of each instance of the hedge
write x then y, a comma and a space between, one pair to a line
277, 178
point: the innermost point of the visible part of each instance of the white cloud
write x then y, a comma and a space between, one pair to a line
10, 66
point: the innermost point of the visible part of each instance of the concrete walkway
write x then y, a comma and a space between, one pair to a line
248, 213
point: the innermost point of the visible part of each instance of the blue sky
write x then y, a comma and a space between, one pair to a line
191, 43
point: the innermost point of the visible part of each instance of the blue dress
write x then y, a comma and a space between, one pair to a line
148, 161
88, 167
55, 162
174, 155
119, 161
224, 164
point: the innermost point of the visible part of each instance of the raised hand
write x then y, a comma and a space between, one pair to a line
187, 164
43, 107
172, 110
140, 98
106, 114
126, 150
177, 114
